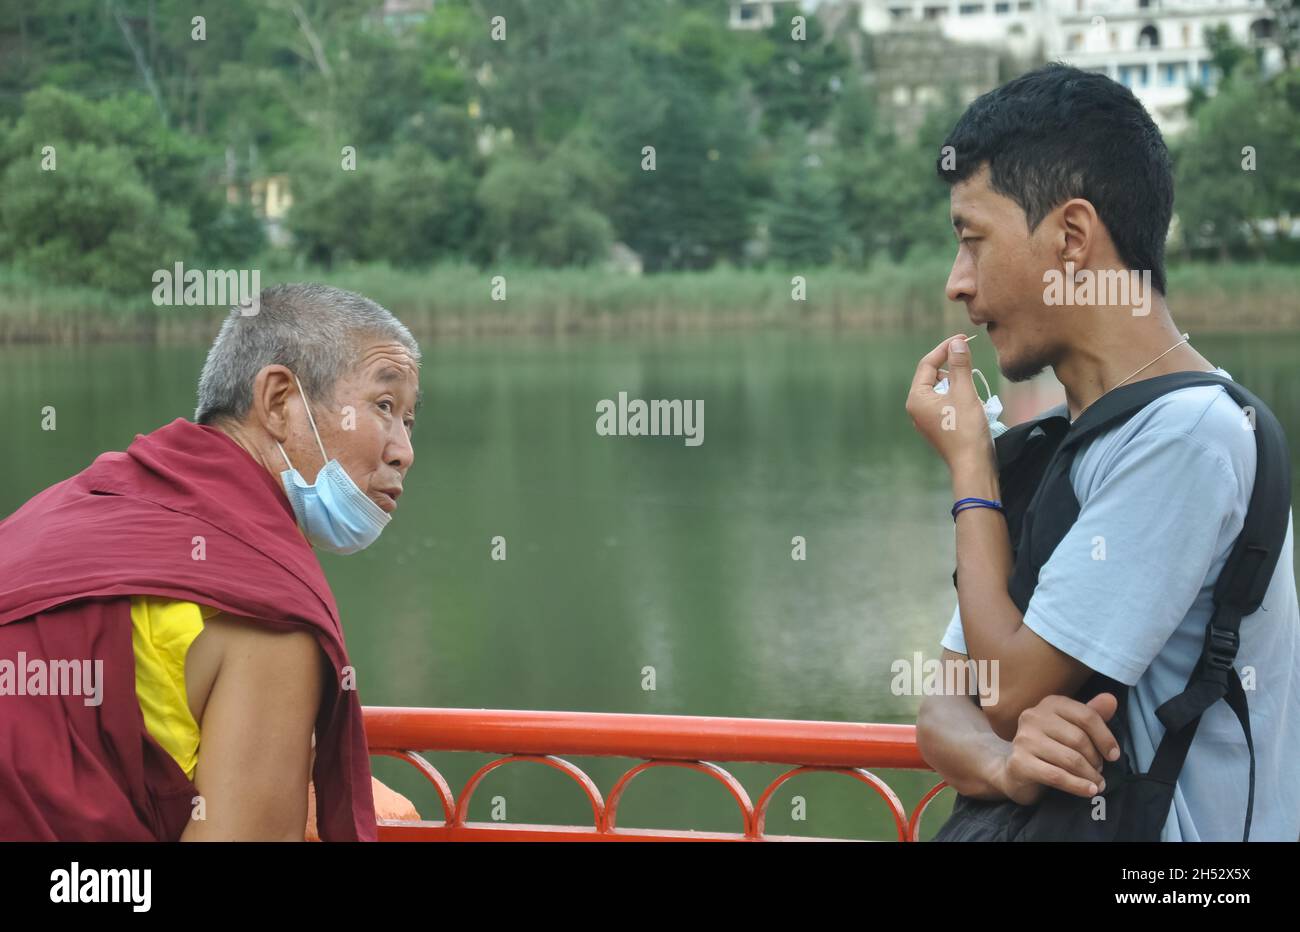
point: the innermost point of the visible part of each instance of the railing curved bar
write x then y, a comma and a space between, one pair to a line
558, 763
865, 776
713, 770
914, 824
430, 772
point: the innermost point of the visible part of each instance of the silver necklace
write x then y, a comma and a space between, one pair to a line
1135, 372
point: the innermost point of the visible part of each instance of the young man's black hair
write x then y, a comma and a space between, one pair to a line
1058, 132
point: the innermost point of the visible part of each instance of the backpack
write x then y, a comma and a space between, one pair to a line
1034, 462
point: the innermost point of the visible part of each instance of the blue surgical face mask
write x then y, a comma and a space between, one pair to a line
992, 407
333, 512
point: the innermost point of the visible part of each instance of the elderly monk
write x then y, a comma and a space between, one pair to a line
180, 576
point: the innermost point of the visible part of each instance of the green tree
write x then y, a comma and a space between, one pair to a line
333, 209
680, 95
1235, 164
424, 209
538, 211
804, 220
129, 193
893, 201
796, 80
91, 221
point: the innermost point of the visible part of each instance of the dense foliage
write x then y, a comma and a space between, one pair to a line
526, 147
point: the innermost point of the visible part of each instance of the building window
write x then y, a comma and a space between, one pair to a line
935, 12
1149, 38
1134, 75
1002, 8
1261, 30
1025, 6
969, 9
1187, 35
1173, 74
1075, 42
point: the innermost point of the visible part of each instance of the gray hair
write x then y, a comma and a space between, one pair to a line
315, 330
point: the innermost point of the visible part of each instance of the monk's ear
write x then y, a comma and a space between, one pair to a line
272, 390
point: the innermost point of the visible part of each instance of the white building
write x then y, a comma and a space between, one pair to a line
1154, 47
1157, 49
760, 14
1020, 26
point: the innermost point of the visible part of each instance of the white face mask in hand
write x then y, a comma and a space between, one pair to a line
992, 407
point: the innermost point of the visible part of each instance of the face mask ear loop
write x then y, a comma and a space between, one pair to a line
323, 457
987, 391
285, 455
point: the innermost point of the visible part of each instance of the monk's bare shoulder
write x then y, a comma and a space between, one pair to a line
250, 646
264, 686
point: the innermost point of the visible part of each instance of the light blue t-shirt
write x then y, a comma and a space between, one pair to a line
1165, 494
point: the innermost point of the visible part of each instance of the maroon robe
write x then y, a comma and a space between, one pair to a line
71, 558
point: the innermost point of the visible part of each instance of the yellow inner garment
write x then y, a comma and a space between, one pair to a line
162, 631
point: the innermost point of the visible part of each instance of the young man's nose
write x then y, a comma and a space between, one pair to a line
961, 280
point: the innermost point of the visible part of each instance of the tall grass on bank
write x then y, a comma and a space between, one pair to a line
458, 299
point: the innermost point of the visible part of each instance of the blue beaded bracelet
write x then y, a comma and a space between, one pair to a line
965, 503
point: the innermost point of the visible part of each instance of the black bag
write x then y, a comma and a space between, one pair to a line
1034, 469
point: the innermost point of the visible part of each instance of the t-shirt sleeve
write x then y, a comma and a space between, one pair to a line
954, 638
1127, 572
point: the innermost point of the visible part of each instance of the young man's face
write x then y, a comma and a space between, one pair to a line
998, 274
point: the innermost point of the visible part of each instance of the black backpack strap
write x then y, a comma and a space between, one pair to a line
1245, 576
1011, 445
1182, 714
1119, 404
1238, 592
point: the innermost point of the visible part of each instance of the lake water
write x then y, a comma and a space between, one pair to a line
626, 552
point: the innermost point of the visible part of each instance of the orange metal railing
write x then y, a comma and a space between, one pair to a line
694, 742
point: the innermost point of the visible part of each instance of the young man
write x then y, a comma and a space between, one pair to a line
1061, 176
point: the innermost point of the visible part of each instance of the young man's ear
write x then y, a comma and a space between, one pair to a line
1079, 228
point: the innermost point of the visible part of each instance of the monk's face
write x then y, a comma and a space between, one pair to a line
367, 425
